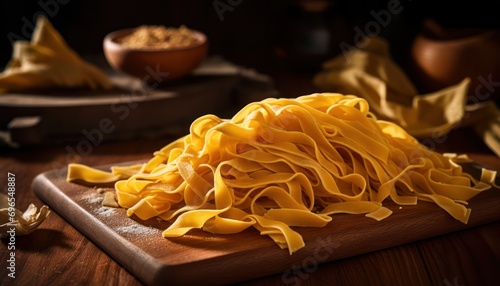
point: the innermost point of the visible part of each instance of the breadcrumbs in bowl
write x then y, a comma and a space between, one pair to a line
159, 37
155, 53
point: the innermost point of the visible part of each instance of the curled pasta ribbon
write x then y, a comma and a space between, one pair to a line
284, 163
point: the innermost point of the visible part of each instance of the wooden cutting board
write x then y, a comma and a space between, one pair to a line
126, 111
131, 109
204, 258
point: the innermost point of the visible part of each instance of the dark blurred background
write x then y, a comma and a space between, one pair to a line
254, 33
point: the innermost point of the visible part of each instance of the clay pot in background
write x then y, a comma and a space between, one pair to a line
445, 56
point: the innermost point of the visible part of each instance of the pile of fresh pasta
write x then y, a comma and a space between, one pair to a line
285, 163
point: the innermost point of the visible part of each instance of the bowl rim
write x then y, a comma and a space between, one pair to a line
476, 36
110, 42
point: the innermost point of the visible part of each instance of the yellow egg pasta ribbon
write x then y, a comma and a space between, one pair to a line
283, 163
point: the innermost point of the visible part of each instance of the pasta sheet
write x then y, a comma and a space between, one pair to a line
285, 163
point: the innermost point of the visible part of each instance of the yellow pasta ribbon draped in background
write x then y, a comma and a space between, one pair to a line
283, 163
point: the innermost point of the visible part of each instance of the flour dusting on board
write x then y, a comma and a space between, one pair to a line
137, 229
92, 197
107, 211
92, 200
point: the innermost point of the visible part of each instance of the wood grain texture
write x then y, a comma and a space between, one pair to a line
246, 255
130, 108
58, 254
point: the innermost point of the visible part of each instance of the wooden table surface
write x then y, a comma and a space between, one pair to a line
58, 254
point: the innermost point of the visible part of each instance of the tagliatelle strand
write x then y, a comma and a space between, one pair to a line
283, 163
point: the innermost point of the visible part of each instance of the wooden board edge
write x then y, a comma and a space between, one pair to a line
154, 272
93, 229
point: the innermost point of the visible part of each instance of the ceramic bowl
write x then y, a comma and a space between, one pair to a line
160, 64
442, 57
